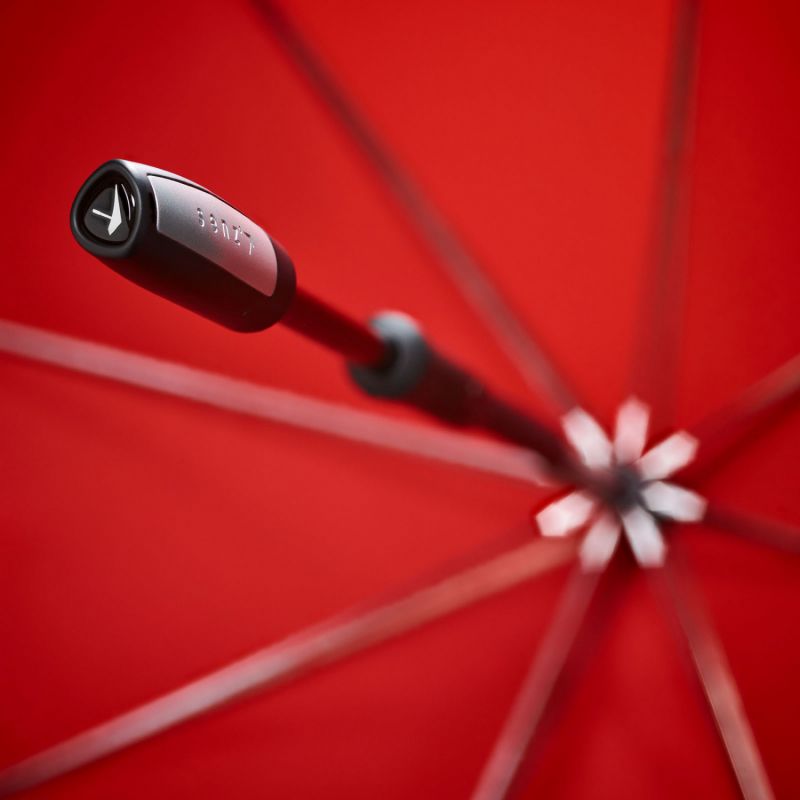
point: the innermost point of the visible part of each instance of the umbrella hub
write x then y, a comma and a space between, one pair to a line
625, 488
626, 494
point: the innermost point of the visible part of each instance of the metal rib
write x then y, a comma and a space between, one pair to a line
535, 696
772, 533
755, 410
718, 684
655, 360
468, 274
278, 663
275, 405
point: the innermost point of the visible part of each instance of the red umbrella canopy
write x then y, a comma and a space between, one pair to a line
578, 201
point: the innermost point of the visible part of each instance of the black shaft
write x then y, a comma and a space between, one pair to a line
316, 320
421, 377
454, 395
186, 244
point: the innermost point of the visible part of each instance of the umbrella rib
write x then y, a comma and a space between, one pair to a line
756, 408
276, 664
538, 689
276, 405
771, 533
713, 671
656, 352
464, 269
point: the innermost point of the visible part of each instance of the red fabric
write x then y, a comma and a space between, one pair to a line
146, 540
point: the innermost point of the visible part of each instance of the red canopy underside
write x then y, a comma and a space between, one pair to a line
147, 540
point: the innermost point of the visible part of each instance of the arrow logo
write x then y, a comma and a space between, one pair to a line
115, 217
109, 216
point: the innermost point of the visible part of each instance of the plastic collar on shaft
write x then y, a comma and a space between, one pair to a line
411, 358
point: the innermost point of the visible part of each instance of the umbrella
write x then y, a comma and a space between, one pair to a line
583, 204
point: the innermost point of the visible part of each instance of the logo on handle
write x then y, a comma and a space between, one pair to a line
109, 214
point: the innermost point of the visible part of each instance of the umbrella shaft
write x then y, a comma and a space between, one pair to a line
407, 370
316, 320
